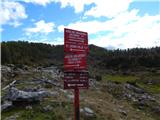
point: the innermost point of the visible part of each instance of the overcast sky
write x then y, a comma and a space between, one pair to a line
109, 23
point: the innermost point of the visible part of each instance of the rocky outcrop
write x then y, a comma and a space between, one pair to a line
52, 71
135, 95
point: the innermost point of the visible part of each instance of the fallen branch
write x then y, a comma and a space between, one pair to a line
10, 84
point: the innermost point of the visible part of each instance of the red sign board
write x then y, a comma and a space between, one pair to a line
75, 41
75, 61
74, 80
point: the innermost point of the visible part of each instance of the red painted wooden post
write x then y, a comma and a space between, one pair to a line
76, 104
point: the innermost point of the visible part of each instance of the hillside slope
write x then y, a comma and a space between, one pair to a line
36, 93
99, 58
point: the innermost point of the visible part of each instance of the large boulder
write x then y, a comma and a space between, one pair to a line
5, 69
6, 105
16, 95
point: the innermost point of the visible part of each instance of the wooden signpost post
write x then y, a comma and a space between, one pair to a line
75, 64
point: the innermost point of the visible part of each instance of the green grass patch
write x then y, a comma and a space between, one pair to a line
120, 78
11, 112
140, 80
149, 82
37, 113
155, 88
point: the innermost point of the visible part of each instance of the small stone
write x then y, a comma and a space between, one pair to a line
47, 108
122, 112
81, 110
55, 93
70, 97
13, 117
88, 112
29, 107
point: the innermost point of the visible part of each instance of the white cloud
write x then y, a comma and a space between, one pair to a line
108, 8
1, 29
78, 5
11, 13
146, 0
39, 32
93, 27
41, 27
39, 2
142, 33
90, 26
126, 30
55, 41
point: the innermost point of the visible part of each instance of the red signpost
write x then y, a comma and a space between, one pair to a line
75, 65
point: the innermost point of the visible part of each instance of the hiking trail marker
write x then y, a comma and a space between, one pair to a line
75, 64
